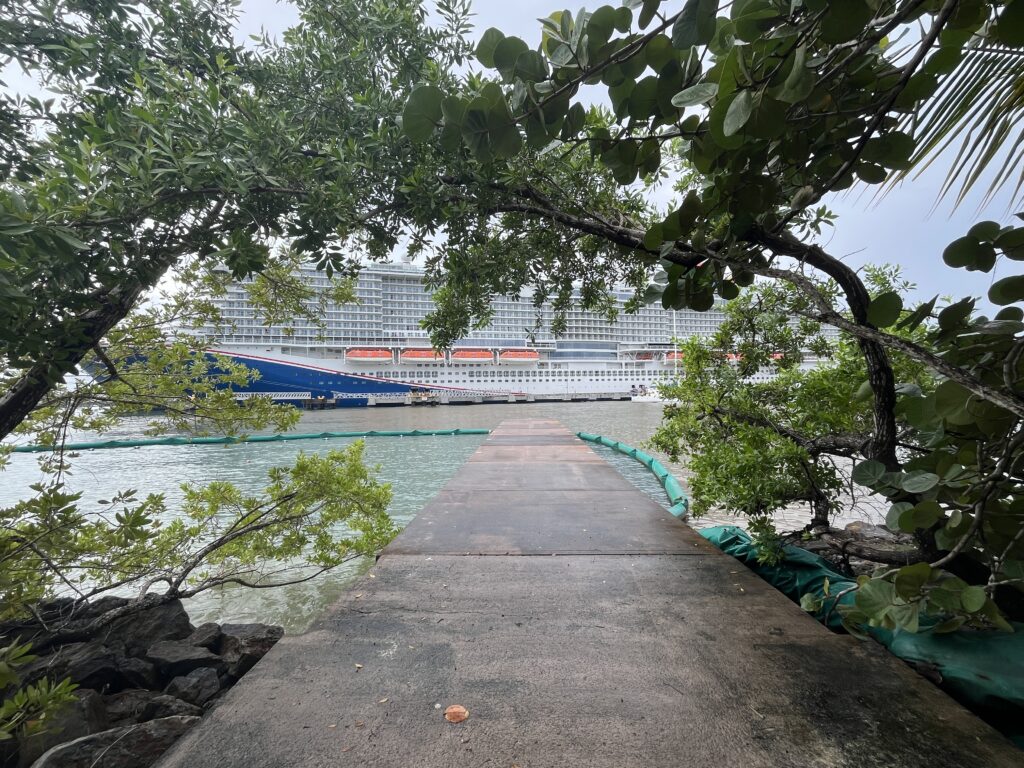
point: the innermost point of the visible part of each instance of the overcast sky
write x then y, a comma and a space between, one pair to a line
907, 226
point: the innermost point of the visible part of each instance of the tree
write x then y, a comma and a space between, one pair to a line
172, 156
773, 106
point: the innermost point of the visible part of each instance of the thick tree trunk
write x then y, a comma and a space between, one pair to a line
24, 395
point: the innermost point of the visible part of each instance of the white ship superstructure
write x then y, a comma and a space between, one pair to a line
376, 346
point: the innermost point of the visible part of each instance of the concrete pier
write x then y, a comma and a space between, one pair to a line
581, 625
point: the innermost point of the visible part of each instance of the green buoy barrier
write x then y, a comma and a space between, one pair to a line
103, 444
679, 502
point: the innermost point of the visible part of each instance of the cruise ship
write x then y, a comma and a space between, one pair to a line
374, 350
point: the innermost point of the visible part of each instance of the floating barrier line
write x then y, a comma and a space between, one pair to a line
103, 444
677, 497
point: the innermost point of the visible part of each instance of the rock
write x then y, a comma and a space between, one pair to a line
138, 631
132, 746
245, 644
137, 706
206, 636
92, 665
175, 658
107, 603
197, 687
87, 714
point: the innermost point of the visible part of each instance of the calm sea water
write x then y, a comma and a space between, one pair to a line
416, 467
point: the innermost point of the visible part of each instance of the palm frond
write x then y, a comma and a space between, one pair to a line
978, 112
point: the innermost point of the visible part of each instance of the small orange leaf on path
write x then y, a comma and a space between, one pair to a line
456, 713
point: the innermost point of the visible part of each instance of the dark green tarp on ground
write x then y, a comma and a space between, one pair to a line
984, 671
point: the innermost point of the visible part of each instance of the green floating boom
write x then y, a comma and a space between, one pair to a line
677, 498
102, 444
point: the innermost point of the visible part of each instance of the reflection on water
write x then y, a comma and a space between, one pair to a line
416, 467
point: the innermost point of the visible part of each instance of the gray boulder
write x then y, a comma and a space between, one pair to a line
132, 746
93, 665
197, 687
85, 715
138, 631
206, 635
244, 644
138, 706
175, 658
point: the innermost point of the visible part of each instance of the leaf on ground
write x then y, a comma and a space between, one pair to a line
456, 713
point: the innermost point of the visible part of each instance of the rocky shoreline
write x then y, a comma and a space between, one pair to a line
143, 680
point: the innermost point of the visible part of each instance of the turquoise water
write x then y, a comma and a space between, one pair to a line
416, 467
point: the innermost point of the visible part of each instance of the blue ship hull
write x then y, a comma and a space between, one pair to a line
278, 378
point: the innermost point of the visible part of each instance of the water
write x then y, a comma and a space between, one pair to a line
416, 467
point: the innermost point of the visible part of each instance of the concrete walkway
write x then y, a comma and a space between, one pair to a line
581, 625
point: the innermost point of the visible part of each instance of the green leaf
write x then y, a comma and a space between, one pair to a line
985, 230
643, 101
653, 238
694, 95
973, 599
923, 515
506, 53
422, 112
1011, 243
647, 12
738, 113
950, 398
919, 481
872, 174
844, 20
891, 150
892, 517
918, 316
810, 602
955, 314
800, 80
961, 252
884, 310
659, 52
868, 473
69, 239
716, 124
530, 67
1009, 290
695, 25
906, 616
485, 48
1010, 24
875, 597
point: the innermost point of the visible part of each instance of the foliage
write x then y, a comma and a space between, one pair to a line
311, 517
772, 106
27, 711
171, 156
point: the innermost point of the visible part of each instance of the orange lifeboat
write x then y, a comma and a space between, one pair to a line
673, 357
421, 356
472, 356
519, 356
368, 355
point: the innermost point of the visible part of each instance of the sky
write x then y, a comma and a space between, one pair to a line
908, 226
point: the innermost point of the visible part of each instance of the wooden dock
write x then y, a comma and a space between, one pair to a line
581, 625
